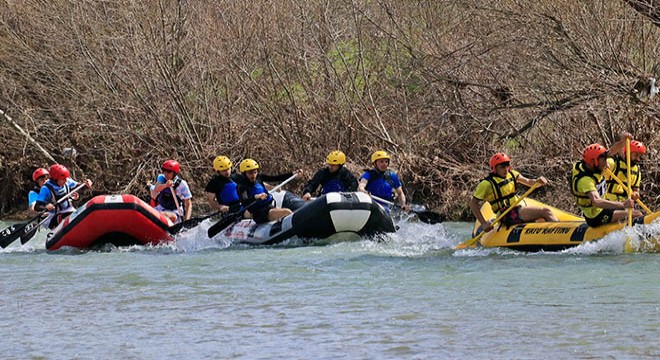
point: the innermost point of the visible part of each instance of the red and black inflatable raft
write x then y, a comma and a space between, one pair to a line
121, 220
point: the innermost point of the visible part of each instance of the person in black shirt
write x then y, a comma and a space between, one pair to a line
254, 194
221, 189
332, 178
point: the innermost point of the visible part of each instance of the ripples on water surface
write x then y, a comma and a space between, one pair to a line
410, 296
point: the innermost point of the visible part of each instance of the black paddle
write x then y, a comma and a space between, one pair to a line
226, 221
235, 217
425, 216
190, 223
31, 230
8, 235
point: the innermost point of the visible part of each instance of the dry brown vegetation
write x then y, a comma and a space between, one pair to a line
440, 84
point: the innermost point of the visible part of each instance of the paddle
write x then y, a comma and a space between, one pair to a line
639, 202
31, 230
629, 190
8, 235
472, 242
425, 216
235, 217
176, 201
190, 223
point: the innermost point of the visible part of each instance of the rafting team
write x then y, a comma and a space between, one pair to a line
599, 196
246, 191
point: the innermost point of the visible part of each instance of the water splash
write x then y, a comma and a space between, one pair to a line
615, 242
413, 239
196, 239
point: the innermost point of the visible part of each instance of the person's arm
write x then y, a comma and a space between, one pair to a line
636, 183
275, 178
88, 184
183, 192
618, 146
158, 187
350, 181
245, 199
72, 184
312, 185
530, 182
43, 200
475, 207
599, 202
188, 205
41, 206
402, 198
635, 193
213, 203
362, 183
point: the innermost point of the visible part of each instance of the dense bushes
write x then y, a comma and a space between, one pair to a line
440, 84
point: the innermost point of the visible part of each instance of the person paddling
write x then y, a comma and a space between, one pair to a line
588, 186
383, 182
39, 176
617, 165
58, 186
167, 183
254, 194
499, 189
332, 178
221, 189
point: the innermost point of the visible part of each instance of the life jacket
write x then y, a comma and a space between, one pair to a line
340, 181
333, 184
580, 171
621, 171
227, 194
247, 190
56, 194
380, 184
165, 198
504, 190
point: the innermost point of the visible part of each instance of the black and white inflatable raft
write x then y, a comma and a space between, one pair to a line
330, 218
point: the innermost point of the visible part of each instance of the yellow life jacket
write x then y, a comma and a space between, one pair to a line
504, 190
582, 198
615, 192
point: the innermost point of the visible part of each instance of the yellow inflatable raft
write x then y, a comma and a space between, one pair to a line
570, 231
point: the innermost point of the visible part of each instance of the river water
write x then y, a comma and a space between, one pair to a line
408, 297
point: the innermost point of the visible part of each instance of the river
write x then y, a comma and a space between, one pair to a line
409, 297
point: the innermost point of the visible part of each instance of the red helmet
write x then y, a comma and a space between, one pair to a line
171, 165
592, 152
635, 147
39, 173
58, 172
497, 159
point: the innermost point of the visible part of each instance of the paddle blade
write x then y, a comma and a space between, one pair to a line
29, 232
184, 225
13, 232
224, 223
471, 243
430, 217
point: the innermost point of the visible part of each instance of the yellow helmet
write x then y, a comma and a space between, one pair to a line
336, 158
221, 163
380, 154
247, 165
